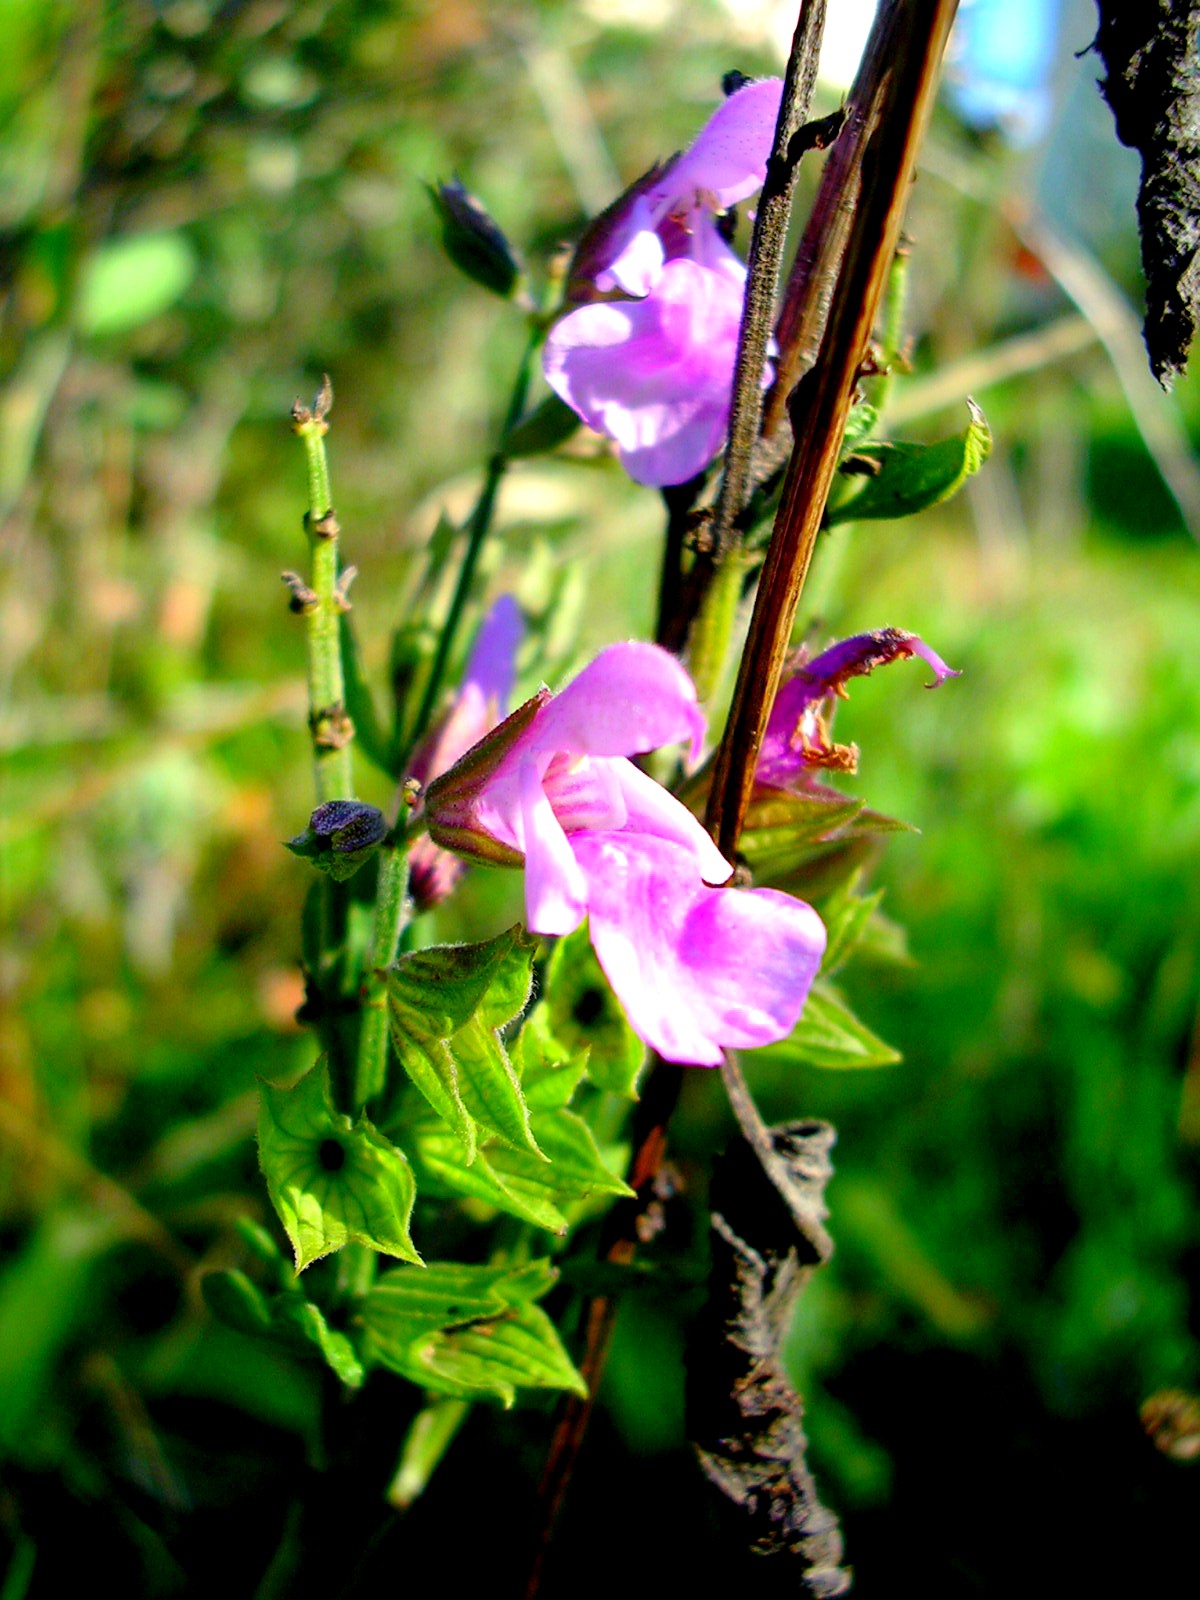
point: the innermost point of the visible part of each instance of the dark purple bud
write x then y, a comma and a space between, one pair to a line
474, 242
341, 834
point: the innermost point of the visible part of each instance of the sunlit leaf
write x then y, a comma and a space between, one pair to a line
331, 1181
447, 1005
468, 1331
908, 477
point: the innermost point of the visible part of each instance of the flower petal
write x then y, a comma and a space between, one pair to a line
491, 665
555, 887
729, 157
695, 968
651, 809
633, 697
654, 374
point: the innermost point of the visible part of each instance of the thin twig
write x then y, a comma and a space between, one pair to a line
873, 159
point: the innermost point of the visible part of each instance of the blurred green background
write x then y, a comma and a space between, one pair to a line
205, 206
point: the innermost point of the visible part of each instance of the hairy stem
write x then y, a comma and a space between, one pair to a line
873, 160
328, 722
391, 906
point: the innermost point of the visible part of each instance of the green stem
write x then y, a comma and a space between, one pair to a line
370, 1075
427, 1441
331, 727
708, 643
896, 304
477, 531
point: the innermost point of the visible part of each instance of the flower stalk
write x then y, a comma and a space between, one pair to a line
328, 721
391, 910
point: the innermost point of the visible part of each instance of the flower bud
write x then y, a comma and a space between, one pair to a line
341, 834
474, 242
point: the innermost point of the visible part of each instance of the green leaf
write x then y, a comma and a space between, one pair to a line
782, 829
468, 1331
860, 424
237, 1302
447, 1005
828, 1035
845, 915
910, 477
550, 1073
234, 1300
582, 1013
332, 1182
546, 1192
304, 1323
127, 281
550, 423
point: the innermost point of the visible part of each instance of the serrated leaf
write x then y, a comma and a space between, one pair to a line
911, 476
297, 1317
542, 1191
239, 1303
332, 1182
550, 423
828, 1035
845, 915
446, 1006
582, 1013
782, 829
471, 1332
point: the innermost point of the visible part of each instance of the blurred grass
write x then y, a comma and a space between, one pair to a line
205, 207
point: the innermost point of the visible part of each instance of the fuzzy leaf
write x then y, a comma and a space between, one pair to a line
468, 1331
582, 1013
331, 1181
911, 477
304, 1322
234, 1300
447, 1005
542, 1192
828, 1035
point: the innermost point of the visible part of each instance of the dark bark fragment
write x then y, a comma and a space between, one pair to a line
744, 1417
1151, 50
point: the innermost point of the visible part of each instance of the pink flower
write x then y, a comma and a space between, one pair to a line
797, 736
481, 702
696, 967
655, 373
